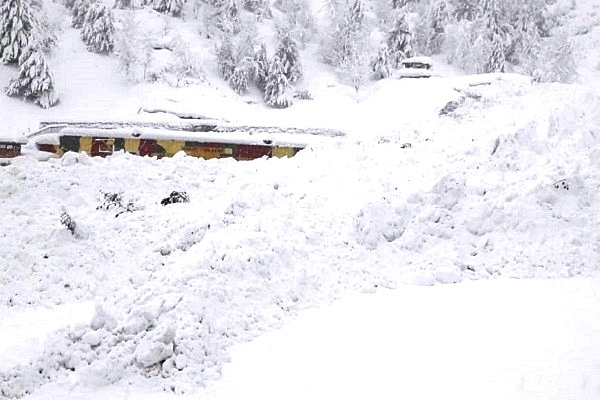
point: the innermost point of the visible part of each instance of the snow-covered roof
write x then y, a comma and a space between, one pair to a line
254, 136
418, 60
12, 138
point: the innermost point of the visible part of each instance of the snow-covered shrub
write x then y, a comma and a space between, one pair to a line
67, 221
303, 95
99, 29
35, 81
185, 68
380, 222
175, 197
556, 63
115, 201
17, 27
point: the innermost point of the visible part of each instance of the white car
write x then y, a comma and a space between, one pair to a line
416, 67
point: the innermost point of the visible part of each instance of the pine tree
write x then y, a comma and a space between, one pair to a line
99, 29
398, 4
228, 19
79, 11
35, 81
497, 32
287, 52
171, 7
349, 35
399, 40
260, 67
380, 66
465, 9
225, 58
240, 77
123, 4
17, 25
276, 85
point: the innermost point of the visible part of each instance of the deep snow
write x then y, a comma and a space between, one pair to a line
504, 185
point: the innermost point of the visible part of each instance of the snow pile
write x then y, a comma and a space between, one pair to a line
495, 188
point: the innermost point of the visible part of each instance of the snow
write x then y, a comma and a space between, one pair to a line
445, 246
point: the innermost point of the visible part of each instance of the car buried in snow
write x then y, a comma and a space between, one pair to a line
416, 67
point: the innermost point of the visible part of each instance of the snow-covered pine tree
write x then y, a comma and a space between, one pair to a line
240, 77
17, 25
465, 9
287, 52
380, 65
99, 29
260, 67
439, 17
276, 85
348, 36
260, 8
399, 40
35, 81
497, 32
243, 61
398, 4
228, 19
123, 4
225, 57
79, 11
171, 7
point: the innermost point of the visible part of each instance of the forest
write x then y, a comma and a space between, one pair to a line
362, 40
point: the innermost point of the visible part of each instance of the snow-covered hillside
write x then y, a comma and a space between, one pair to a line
438, 184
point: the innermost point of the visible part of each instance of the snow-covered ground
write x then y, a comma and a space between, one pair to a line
446, 246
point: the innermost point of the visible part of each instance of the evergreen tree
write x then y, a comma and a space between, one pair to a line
289, 57
438, 19
399, 40
398, 4
349, 35
260, 67
225, 58
123, 4
497, 32
465, 9
79, 11
276, 85
240, 77
380, 65
17, 26
35, 81
171, 7
228, 19
99, 29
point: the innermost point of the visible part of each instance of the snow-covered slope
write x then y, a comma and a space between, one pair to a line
438, 181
